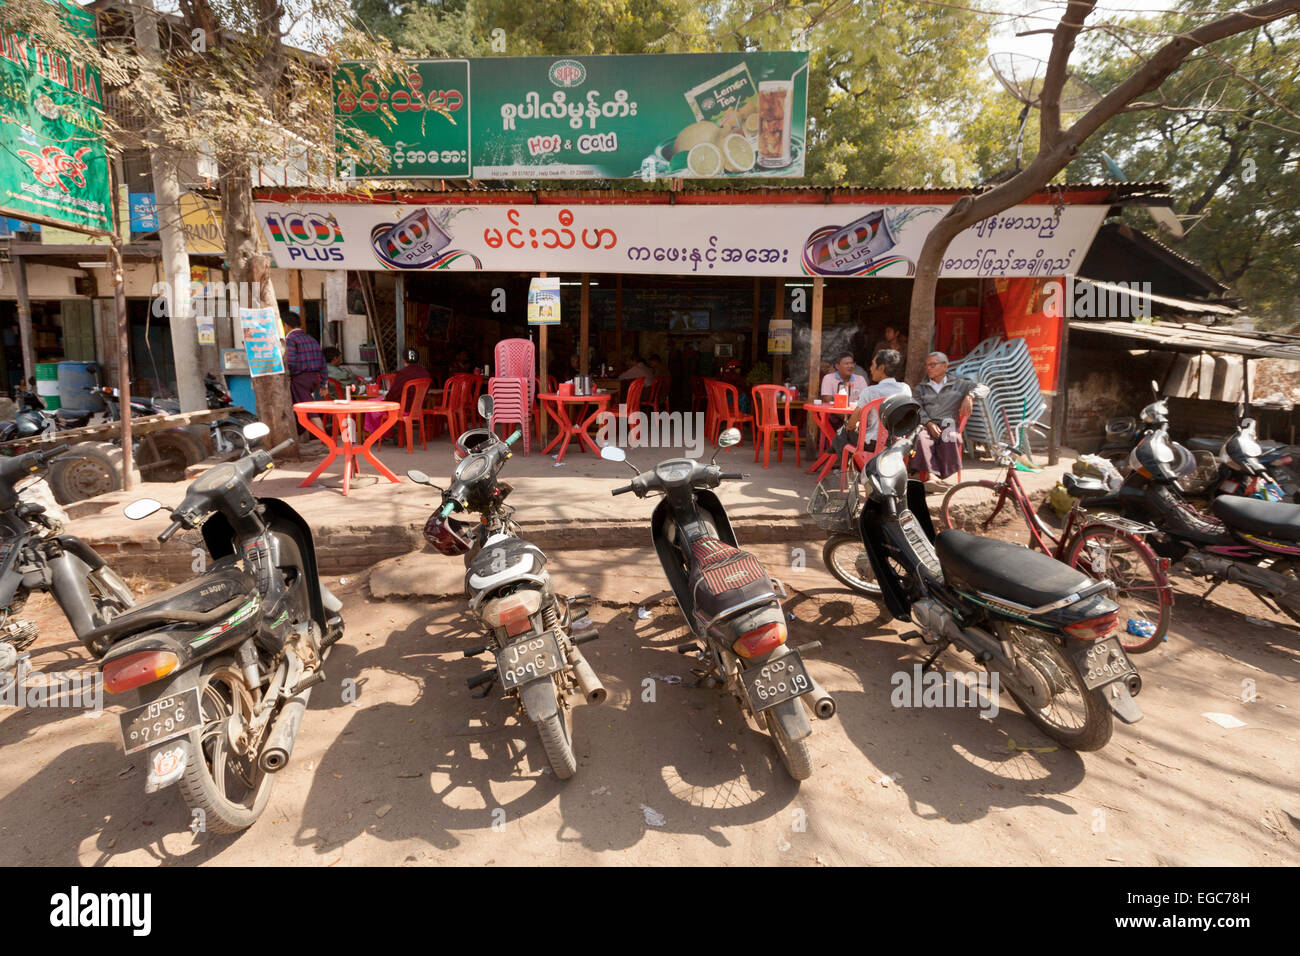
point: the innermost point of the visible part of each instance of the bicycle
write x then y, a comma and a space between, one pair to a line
1101, 546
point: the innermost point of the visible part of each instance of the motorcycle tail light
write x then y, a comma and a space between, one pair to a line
1284, 460
514, 613
1094, 628
762, 640
135, 670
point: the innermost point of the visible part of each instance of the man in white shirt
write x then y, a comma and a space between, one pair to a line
886, 366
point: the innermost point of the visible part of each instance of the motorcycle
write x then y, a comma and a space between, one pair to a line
729, 603
1251, 542
1245, 467
31, 420
226, 434
532, 632
36, 556
1047, 630
223, 666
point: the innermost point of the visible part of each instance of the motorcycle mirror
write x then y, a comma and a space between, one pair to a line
254, 431
141, 508
729, 437
485, 406
1155, 389
419, 477
613, 453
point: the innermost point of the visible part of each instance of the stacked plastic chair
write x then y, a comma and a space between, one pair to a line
510, 406
1014, 394
517, 358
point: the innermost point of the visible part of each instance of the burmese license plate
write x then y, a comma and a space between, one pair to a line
776, 681
1105, 662
527, 660
160, 720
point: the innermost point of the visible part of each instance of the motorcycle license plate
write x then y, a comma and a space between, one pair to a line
527, 660
160, 720
776, 682
1105, 662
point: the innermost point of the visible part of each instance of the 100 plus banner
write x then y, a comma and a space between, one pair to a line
698, 115
53, 166
704, 239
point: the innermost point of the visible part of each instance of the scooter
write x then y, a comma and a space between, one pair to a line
1047, 630
1247, 468
1251, 542
729, 602
223, 666
531, 630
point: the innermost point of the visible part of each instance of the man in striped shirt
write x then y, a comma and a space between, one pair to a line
304, 361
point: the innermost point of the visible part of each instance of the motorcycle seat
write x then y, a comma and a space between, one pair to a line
1273, 519
1201, 443
1006, 570
201, 601
1083, 487
724, 578
71, 419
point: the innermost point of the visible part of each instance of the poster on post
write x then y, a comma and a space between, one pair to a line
780, 336
544, 300
262, 341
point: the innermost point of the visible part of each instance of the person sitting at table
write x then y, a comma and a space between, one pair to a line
945, 400
460, 364
337, 371
412, 372
842, 374
639, 369
886, 366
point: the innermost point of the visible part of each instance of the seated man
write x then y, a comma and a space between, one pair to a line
412, 372
945, 400
842, 375
886, 366
339, 372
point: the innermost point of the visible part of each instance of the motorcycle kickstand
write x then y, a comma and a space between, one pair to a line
929, 661
1206, 596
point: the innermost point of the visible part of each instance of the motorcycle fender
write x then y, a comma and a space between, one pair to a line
793, 719
538, 698
1121, 702
670, 560
871, 525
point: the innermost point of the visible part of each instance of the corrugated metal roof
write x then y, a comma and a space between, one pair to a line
1197, 338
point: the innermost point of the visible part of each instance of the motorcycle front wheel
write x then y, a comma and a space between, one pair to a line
794, 753
223, 782
1055, 698
848, 562
558, 741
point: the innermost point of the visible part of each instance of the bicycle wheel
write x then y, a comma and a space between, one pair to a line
848, 562
1142, 590
983, 508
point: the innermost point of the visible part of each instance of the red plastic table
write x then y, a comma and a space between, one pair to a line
821, 414
349, 451
554, 405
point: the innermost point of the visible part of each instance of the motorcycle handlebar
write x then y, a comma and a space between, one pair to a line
518, 434
171, 530
621, 491
53, 452
283, 446
447, 509
732, 475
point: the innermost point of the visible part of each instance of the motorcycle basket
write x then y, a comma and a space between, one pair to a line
835, 510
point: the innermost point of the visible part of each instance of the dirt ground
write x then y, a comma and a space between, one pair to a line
416, 771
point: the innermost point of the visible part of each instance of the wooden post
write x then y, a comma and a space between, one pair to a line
271, 392
1056, 437
123, 360
777, 363
618, 321
753, 346
24, 319
399, 309
542, 375
584, 327
815, 345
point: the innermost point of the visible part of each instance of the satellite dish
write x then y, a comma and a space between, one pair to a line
1023, 78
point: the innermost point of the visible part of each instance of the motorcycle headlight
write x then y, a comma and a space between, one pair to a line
471, 469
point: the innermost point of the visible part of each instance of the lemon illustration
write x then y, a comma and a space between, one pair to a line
705, 160
702, 132
738, 156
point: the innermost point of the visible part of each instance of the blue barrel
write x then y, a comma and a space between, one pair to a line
77, 383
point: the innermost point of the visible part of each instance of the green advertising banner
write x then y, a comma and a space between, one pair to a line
53, 167
698, 115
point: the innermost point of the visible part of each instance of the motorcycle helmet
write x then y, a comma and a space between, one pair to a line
471, 442
901, 414
1158, 457
447, 535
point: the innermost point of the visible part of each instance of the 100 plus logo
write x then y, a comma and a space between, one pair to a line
307, 236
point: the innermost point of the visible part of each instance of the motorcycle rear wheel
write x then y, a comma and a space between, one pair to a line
228, 787
847, 561
1088, 725
794, 753
558, 742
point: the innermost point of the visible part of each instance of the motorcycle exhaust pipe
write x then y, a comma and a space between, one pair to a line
592, 688
819, 703
1279, 587
284, 732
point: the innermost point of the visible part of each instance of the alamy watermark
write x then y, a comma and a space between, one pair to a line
76, 689
652, 430
1082, 299
205, 299
977, 689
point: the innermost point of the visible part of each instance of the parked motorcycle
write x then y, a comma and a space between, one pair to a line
531, 630
729, 602
32, 420
1246, 467
1251, 542
36, 556
1047, 630
223, 666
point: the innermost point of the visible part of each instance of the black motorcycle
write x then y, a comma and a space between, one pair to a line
31, 419
729, 602
223, 665
1245, 466
1251, 542
532, 631
36, 556
1046, 630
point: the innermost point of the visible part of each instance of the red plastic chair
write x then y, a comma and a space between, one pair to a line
412, 400
725, 402
631, 404
961, 430
658, 400
768, 423
450, 406
859, 454
510, 406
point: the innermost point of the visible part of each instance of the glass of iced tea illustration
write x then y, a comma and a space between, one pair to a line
774, 109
